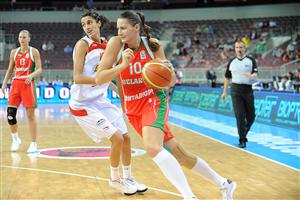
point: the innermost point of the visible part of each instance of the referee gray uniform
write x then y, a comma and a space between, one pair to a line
238, 69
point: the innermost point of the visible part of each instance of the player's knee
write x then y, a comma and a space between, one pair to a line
184, 157
11, 115
152, 150
117, 139
126, 139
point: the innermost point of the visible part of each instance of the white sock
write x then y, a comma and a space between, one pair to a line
114, 173
173, 172
127, 171
14, 135
202, 168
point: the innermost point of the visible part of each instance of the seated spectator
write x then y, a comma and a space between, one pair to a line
68, 49
179, 76
297, 81
42, 82
289, 84
44, 46
196, 40
272, 24
246, 41
277, 52
57, 82
281, 83
50, 46
77, 8
183, 51
285, 57
253, 34
47, 64
224, 55
260, 48
197, 56
174, 61
210, 29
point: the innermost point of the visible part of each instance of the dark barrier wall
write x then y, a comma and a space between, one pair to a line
271, 107
55, 94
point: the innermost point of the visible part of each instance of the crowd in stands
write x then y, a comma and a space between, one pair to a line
201, 43
289, 82
56, 82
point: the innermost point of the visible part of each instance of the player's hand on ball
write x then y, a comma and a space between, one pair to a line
168, 63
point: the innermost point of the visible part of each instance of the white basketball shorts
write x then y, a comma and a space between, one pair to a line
99, 119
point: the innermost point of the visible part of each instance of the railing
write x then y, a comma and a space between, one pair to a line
197, 75
50, 74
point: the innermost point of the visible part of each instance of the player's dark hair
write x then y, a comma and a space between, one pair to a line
99, 18
139, 18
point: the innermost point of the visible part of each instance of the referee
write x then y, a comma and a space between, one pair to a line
242, 69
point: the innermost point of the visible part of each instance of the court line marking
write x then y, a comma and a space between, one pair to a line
193, 131
82, 176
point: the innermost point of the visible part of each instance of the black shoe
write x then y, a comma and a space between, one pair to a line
242, 145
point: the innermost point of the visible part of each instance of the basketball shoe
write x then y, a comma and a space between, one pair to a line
123, 186
32, 147
15, 145
228, 189
140, 187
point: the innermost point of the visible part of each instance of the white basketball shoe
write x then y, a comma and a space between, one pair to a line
32, 147
15, 145
123, 186
140, 187
228, 189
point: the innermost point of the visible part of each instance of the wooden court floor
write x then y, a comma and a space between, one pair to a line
28, 177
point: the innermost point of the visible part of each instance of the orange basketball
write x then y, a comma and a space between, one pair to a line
156, 74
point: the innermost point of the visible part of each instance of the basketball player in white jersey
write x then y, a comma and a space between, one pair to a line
26, 62
96, 115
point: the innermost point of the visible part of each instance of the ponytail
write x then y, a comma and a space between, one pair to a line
139, 18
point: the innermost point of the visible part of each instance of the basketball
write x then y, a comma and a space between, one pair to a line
156, 74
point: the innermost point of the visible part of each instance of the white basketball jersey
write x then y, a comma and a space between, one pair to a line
84, 93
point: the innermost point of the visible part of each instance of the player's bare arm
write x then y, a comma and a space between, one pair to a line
38, 66
9, 71
80, 50
106, 72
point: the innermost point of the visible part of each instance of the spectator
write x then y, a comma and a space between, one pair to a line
210, 29
197, 56
272, 24
277, 52
211, 76
260, 48
246, 41
68, 49
50, 46
42, 81
282, 82
44, 46
47, 64
57, 82
285, 57
297, 81
253, 34
174, 61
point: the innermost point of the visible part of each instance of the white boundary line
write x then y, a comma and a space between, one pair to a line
80, 175
235, 147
